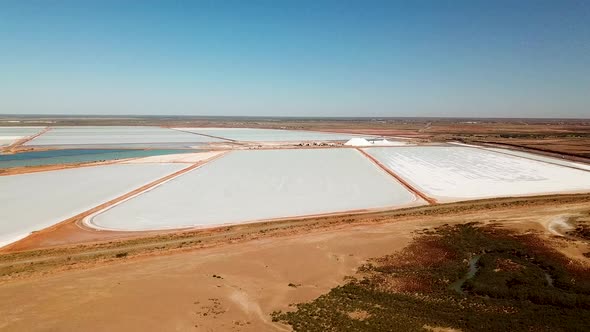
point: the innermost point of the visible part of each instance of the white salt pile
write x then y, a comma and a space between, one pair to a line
357, 141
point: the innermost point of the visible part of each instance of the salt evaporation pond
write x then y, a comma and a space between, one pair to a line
128, 136
456, 173
262, 184
563, 162
69, 156
31, 202
269, 135
9, 135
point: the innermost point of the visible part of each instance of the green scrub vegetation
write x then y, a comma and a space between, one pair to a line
520, 283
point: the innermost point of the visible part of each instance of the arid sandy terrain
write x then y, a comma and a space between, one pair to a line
68, 277
235, 281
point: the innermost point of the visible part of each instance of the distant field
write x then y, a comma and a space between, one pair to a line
116, 135
9, 135
269, 135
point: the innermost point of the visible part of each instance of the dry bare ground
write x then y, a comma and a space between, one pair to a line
233, 278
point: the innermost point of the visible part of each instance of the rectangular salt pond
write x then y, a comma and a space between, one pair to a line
563, 162
128, 136
31, 202
270, 135
262, 184
457, 173
9, 135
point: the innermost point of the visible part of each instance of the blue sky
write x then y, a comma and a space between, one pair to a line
296, 58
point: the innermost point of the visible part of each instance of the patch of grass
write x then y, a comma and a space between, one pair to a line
520, 284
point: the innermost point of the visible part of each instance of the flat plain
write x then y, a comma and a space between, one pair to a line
239, 275
270, 135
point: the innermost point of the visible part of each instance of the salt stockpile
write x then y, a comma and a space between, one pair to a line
357, 141
385, 142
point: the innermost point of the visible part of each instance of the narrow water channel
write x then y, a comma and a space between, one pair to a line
458, 285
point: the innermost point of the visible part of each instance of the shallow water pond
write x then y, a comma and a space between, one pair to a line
71, 156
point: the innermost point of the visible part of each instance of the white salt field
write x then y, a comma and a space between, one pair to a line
269, 135
263, 184
251, 185
563, 162
457, 173
117, 135
9, 135
188, 158
31, 202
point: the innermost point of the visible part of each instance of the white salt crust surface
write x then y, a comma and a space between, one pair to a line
563, 162
456, 173
113, 135
252, 185
270, 135
190, 158
9, 135
31, 202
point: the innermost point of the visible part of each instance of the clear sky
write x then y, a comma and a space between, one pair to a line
296, 58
